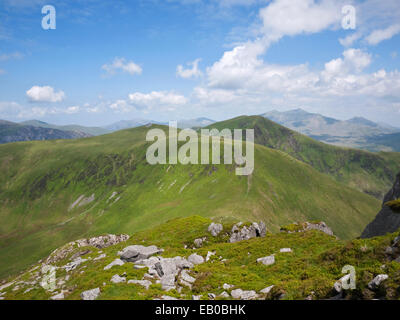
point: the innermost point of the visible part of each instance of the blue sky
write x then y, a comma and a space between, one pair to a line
177, 59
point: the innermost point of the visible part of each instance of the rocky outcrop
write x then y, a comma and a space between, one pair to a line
137, 252
98, 242
387, 220
240, 232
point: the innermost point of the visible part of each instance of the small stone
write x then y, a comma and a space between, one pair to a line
376, 282
117, 279
209, 255
116, 262
212, 296
267, 260
284, 250
227, 286
90, 294
196, 297
224, 295
59, 296
266, 290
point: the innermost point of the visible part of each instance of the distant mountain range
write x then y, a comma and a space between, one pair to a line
357, 132
354, 133
13, 132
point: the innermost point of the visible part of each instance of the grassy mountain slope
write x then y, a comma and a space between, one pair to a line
40, 181
309, 271
372, 173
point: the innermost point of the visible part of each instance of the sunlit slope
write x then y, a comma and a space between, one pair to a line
40, 181
372, 173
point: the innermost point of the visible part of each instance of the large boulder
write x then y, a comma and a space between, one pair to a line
387, 220
137, 252
240, 232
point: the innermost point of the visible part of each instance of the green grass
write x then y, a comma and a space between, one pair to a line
313, 266
40, 180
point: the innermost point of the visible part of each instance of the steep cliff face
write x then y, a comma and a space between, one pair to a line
387, 220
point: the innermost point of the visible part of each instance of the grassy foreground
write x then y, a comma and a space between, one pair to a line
310, 270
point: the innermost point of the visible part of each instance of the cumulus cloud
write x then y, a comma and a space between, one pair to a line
121, 64
193, 72
378, 36
44, 94
155, 100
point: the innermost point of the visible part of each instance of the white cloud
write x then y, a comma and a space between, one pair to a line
157, 98
287, 17
44, 94
378, 36
72, 110
350, 39
123, 65
193, 72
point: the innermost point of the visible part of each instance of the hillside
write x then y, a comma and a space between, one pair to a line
372, 173
357, 132
293, 266
12, 132
52, 192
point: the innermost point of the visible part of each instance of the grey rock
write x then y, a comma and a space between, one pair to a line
117, 279
199, 242
266, 290
376, 282
168, 298
227, 286
224, 295
59, 296
267, 260
321, 226
196, 297
285, 250
72, 265
215, 229
209, 255
186, 277
90, 294
240, 233
116, 262
211, 296
168, 282
138, 252
195, 259
102, 256
243, 295
338, 286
